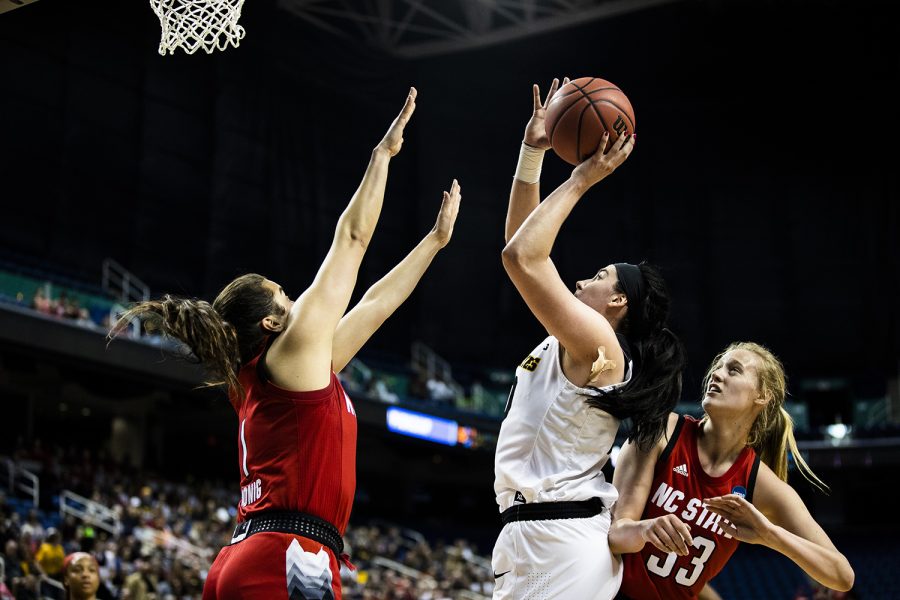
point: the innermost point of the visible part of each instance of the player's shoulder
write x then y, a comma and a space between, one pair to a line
675, 425
770, 490
666, 442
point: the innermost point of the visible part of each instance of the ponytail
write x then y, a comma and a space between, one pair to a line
211, 339
223, 335
772, 433
658, 356
772, 436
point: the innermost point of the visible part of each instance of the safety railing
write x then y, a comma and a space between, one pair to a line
20, 480
122, 284
89, 511
168, 540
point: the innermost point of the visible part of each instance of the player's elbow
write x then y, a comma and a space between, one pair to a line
355, 233
514, 259
510, 256
846, 577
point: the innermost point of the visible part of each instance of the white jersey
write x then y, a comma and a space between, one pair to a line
552, 445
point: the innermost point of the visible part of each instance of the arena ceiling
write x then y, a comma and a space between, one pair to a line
420, 28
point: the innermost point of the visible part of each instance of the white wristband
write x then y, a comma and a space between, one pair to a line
529, 168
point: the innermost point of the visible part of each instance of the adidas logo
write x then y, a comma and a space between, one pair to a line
681, 470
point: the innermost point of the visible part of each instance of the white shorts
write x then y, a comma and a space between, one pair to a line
559, 558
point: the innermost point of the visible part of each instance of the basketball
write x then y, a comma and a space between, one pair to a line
581, 111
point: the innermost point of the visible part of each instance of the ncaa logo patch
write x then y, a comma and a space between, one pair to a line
739, 490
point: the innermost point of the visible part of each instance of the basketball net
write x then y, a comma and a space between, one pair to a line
195, 24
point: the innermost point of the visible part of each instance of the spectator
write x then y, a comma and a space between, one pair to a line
58, 306
379, 390
33, 527
50, 554
5, 594
439, 390
83, 317
12, 565
41, 302
142, 584
72, 309
82, 576
18, 578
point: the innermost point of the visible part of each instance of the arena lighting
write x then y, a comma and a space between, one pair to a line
422, 426
838, 432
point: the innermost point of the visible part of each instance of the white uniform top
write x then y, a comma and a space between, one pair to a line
552, 445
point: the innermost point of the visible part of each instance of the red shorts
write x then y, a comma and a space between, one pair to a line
271, 566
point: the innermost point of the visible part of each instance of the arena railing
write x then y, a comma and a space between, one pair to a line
416, 575
49, 584
22, 480
410, 538
427, 361
89, 511
122, 283
478, 561
169, 541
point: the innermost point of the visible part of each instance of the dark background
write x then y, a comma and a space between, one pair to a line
762, 183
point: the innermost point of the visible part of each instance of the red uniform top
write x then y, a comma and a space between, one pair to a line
296, 450
679, 487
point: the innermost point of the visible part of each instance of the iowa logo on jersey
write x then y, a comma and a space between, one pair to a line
530, 363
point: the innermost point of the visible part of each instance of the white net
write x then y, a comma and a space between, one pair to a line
195, 24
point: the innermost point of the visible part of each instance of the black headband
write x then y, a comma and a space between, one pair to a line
632, 282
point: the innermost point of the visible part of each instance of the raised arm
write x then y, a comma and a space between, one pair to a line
300, 358
777, 518
579, 328
383, 298
633, 478
526, 188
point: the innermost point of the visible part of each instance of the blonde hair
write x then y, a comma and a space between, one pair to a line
772, 433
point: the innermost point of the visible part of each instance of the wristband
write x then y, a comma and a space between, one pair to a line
528, 170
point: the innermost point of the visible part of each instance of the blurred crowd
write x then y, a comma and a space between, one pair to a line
428, 389
398, 384
63, 306
423, 570
168, 534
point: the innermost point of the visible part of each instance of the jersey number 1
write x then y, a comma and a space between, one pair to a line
244, 449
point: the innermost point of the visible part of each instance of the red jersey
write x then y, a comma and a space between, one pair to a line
679, 487
296, 450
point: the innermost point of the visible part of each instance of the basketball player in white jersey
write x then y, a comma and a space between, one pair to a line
608, 356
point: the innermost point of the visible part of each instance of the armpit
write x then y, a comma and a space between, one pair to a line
601, 365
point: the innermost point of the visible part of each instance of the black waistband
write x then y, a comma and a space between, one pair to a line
298, 523
545, 511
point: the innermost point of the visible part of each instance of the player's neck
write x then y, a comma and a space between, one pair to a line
719, 444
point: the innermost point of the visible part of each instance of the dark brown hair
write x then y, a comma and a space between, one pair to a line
223, 335
655, 385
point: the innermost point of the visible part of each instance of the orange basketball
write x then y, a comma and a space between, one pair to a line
581, 111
